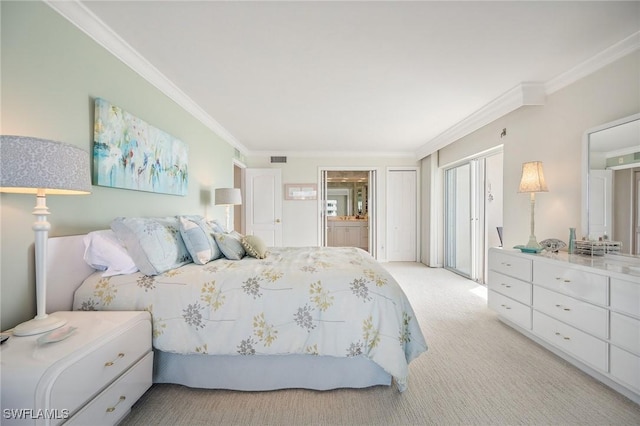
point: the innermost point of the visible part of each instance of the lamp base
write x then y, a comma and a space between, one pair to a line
533, 243
38, 326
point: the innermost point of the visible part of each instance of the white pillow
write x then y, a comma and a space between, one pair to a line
103, 251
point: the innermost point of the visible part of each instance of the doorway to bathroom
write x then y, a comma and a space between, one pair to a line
347, 207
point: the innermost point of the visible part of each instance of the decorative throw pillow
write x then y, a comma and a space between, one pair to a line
254, 246
216, 225
103, 251
154, 244
197, 234
230, 244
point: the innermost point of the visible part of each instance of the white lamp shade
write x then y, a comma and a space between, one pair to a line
30, 164
532, 178
228, 196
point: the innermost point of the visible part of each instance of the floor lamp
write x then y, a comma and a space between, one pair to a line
532, 181
42, 167
228, 197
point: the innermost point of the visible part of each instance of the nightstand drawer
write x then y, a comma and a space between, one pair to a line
571, 340
513, 266
82, 380
113, 403
571, 281
585, 316
510, 309
512, 287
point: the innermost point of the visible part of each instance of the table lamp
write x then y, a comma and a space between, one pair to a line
532, 181
228, 197
42, 167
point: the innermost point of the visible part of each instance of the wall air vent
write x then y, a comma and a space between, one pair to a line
280, 159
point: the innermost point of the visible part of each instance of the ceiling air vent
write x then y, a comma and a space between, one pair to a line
280, 159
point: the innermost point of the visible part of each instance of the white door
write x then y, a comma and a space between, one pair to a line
263, 210
637, 214
600, 203
402, 215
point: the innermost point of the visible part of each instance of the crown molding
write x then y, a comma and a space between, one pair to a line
76, 13
523, 94
593, 64
334, 154
511, 100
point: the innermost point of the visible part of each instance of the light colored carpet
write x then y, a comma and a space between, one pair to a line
477, 371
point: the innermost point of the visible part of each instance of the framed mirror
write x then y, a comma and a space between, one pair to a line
611, 183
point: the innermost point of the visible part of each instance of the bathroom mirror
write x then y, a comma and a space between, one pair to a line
349, 191
611, 183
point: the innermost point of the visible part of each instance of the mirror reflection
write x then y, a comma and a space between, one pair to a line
613, 208
347, 194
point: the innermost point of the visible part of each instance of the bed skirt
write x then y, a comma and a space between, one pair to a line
267, 372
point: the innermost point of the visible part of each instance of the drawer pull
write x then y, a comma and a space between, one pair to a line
505, 264
564, 337
563, 308
506, 307
506, 285
112, 409
110, 363
563, 279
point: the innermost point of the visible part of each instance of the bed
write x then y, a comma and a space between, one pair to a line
308, 317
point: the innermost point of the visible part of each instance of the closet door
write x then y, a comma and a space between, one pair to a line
402, 215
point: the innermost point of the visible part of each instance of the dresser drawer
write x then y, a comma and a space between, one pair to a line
585, 316
509, 286
625, 332
82, 380
116, 400
625, 367
625, 296
579, 344
510, 309
571, 281
508, 264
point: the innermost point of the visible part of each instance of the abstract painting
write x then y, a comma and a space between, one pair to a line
128, 153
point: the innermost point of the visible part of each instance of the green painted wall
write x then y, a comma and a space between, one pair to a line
50, 74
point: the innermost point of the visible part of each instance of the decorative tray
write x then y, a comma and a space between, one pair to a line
526, 249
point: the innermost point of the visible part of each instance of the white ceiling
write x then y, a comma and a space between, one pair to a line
380, 78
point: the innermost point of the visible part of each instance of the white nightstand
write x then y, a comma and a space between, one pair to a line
92, 377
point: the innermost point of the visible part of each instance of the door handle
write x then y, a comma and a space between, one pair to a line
277, 220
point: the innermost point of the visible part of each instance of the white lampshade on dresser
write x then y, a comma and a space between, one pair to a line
42, 167
532, 181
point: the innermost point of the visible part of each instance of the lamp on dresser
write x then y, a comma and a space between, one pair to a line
532, 181
228, 197
42, 167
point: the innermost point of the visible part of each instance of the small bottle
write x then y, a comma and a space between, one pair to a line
572, 240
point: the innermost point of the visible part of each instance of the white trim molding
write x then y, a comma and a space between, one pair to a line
529, 94
593, 64
524, 94
84, 19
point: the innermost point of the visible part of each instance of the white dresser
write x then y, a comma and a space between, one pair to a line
584, 309
92, 377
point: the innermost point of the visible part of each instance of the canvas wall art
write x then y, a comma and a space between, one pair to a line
128, 153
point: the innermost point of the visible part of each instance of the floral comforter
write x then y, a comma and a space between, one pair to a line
335, 301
